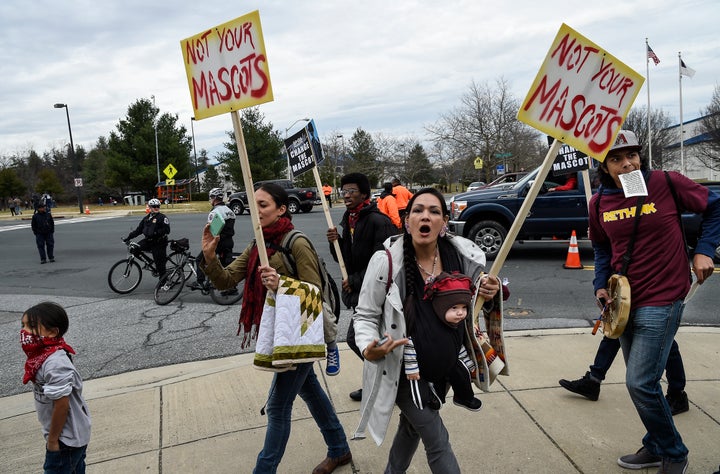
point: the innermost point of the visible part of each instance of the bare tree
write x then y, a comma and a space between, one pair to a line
662, 135
485, 125
710, 127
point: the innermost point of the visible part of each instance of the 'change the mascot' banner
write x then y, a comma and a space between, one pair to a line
227, 67
581, 94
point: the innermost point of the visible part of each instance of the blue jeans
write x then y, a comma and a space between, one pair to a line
415, 425
283, 391
608, 349
646, 345
69, 460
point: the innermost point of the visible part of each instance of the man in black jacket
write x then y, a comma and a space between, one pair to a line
365, 229
43, 226
155, 228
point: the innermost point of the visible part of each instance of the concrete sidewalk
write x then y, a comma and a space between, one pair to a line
204, 417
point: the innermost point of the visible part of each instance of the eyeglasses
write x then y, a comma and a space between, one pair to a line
348, 192
155, 207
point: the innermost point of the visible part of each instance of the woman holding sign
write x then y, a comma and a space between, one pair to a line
388, 313
275, 220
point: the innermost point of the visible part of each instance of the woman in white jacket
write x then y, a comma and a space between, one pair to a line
399, 310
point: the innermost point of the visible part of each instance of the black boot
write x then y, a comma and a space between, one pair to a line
678, 402
586, 386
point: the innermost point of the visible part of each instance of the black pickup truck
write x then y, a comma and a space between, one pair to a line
485, 215
300, 199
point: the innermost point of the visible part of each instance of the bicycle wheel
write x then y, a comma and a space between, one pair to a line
174, 260
169, 286
124, 276
227, 297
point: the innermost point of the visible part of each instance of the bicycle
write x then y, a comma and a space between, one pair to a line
171, 284
124, 276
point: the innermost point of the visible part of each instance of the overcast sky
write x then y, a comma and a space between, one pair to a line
386, 66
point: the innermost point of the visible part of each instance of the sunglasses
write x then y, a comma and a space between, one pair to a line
155, 207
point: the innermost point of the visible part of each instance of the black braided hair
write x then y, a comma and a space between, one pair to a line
411, 272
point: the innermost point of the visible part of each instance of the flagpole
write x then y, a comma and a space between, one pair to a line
647, 74
682, 133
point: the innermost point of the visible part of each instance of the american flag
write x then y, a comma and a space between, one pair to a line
651, 55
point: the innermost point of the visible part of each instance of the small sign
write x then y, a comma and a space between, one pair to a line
478, 163
78, 182
300, 153
500, 169
170, 182
170, 171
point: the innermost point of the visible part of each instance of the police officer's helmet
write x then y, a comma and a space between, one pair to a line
216, 193
154, 203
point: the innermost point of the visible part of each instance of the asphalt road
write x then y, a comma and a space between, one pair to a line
118, 333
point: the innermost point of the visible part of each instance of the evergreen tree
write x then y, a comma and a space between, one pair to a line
132, 163
363, 157
211, 179
264, 147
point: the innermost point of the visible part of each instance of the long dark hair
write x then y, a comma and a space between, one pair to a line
409, 256
279, 196
49, 314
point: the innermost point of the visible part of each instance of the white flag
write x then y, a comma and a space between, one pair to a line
686, 71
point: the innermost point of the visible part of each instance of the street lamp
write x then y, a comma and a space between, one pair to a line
157, 153
197, 176
342, 152
289, 172
72, 156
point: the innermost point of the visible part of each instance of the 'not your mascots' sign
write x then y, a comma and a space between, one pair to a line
581, 94
227, 68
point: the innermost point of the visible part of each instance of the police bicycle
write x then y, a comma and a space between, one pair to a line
171, 284
124, 276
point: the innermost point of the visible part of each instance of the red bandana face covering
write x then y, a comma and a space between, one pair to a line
38, 349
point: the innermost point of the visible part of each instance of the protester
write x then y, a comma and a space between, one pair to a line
403, 195
388, 204
57, 388
415, 258
365, 229
276, 222
327, 191
659, 279
589, 385
155, 228
43, 226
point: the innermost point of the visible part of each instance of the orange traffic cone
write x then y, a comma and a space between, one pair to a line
87, 210
147, 209
573, 256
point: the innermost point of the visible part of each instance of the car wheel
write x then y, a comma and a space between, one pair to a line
293, 207
489, 236
717, 255
237, 208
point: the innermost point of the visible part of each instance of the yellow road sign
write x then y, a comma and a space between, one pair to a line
170, 182
170, 171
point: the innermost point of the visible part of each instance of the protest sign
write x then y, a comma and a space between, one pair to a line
303, 149
227, 70
569, 160
227, 67
581, 94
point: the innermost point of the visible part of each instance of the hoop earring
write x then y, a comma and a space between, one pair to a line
444, 230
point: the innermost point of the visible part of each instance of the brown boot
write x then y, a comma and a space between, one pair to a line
330, 464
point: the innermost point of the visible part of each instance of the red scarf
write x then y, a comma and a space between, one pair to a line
355, 213
38, 349
255, 291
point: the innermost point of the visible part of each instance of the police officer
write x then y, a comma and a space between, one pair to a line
155, 228
225, 245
